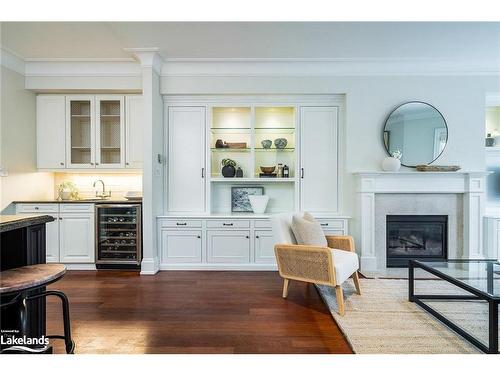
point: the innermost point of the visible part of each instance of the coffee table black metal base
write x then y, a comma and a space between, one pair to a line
492, 347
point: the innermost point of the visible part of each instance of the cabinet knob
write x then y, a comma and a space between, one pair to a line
247, 236
61, 163
91, 163
96, 163
198, 236
37, 208
127, 163
256, 236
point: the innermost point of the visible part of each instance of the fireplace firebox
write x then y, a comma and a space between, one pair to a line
422, 237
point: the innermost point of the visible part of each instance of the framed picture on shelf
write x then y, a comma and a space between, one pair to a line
239, 197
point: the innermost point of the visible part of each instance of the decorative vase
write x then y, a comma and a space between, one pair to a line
228, 171
489, 141
239, 172
266, 143
280, 142
391, 164
258, 203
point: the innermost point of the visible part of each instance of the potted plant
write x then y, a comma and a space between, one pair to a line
67, 190
228, 167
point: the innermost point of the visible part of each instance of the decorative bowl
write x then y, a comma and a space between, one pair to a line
267, 169
266, 143
280, 142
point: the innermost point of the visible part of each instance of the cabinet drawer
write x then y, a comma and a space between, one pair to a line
37, 207
76, 207
228, 224
262, 224
180, 223
327, 224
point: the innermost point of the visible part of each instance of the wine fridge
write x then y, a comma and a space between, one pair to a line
118, 231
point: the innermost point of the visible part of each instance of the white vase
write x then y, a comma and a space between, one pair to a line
65, 195
259, 203
391, 164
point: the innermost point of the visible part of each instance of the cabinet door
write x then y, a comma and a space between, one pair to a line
52, 240
228, 246
134, 129
319, 159
76, 238
264, 247
110, 131
186, 159
184, 246
51, 131
80, 131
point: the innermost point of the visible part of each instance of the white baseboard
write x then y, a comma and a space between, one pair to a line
217, 267
80, 266
150, 266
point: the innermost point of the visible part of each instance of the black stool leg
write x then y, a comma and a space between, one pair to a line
70, 344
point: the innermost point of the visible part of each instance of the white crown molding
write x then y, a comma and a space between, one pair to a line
11, 60
256, 67
148, 57
82, 68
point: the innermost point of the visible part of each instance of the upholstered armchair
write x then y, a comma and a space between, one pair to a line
330, 265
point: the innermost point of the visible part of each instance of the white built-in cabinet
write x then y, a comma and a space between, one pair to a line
50, 131
70, 237
186, 159
134, 131
319, 159
199, 231
89, 131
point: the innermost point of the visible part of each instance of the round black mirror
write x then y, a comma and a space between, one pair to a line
418, 131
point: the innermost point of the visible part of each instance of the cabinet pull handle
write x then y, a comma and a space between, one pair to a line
181, 223
61, 163
60, 218
301, 172
324, 224
91, 163
202, 172
37, 208
96, 163
227, 224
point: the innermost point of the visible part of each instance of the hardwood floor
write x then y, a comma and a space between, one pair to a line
193, 312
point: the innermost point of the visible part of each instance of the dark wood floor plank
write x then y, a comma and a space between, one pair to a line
193, 312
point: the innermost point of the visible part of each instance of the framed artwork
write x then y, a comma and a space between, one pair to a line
239, 197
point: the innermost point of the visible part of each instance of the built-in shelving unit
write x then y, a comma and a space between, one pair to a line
251, 125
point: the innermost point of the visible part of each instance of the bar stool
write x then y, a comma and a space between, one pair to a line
18, 281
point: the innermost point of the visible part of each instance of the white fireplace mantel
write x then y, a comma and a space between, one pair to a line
470, 184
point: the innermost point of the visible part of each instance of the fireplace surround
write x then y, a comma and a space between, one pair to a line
459, 195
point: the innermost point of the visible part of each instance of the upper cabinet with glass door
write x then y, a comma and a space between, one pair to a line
80, 130
110, 132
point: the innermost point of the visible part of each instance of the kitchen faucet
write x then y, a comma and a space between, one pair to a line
102, 195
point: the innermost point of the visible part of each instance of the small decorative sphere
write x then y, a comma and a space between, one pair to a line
391, 164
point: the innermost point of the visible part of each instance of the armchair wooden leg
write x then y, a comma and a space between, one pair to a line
340, 299
285, 287
355, 277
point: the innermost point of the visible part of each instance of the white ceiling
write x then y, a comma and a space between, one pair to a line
255, 40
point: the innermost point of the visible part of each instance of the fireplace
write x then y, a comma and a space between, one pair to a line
422, 237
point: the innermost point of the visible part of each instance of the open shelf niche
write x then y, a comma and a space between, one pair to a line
250, 126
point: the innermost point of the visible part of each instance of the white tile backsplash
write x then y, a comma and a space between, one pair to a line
118, 183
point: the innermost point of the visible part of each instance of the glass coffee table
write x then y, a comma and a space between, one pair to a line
479, 278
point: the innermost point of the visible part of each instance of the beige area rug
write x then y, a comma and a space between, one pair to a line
383, 321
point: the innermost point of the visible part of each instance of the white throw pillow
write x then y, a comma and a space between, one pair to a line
307, 231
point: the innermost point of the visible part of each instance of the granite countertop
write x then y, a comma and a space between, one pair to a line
12, 222
86, 200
